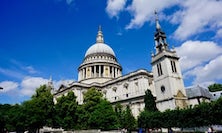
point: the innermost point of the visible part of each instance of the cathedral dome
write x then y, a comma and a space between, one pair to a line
100, 48
100, 63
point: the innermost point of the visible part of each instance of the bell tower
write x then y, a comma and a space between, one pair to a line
169, 86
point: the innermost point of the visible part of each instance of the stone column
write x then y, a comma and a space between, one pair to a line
99, 70
91, 71
94, 75
79, 75
118, 72
112, 72
83, 75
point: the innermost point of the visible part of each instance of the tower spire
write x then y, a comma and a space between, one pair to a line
160, 37
99, 37
158, 27
50, 84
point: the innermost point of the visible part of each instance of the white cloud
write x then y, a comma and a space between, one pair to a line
197, 16
30, 69
209, 72
29, 85
143, 10
114, 7
27, 68
219, 33
196, 53
69, 1
8, 86
201, 61
11, 73
192, 17
58, 83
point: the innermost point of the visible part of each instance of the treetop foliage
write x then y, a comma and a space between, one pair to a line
215, 87
149, 100
204, 114
98, 113
95, 113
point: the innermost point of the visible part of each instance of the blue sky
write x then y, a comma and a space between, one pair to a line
43, 38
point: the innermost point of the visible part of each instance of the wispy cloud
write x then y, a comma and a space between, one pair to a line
27, 68
195, 17
195, 53
143, 10
114, 7
18, 70
191, 18
8, 86
27, 87
11, 73
201, 60
70, 2
30, 70
207, 72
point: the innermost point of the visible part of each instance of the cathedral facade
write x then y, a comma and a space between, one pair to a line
101, 69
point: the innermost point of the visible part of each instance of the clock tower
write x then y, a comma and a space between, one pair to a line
169, 86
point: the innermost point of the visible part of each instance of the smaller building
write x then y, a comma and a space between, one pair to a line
198, 94
216, 95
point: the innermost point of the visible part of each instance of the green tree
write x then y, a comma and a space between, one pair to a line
17, 117
217, 111
103, 117
150, 120
82, 118
66, 111
39, 110
150, 104
91, 98
215, 87
98, 112
119, 111
4, 118
127, 119
147, 119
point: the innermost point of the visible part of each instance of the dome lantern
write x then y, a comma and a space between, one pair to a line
100, 47
99, 38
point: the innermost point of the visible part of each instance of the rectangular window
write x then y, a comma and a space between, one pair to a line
159, 69
173, 66
161, 72
175, 69
171, 62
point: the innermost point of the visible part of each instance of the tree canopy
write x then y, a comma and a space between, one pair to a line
200, 115
149, 100
215, 87
98, 110
98, 113
66, 111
